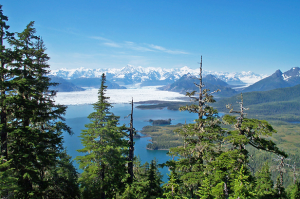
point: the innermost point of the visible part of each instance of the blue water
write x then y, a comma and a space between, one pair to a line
76, 118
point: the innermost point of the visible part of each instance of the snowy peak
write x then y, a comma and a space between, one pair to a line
277, 80
292, 73
132, 75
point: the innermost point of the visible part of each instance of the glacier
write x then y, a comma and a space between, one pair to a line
117, 96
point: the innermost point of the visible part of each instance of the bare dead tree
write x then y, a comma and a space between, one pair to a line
280, 168
294, 169
131, 131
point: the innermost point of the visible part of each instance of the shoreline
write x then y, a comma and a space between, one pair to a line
157, 149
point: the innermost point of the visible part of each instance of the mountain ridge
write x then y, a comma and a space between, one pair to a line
132, 75
276, 80
187, 84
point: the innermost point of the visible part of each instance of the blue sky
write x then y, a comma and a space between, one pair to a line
233, 36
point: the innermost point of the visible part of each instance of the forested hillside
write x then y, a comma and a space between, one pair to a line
278, 104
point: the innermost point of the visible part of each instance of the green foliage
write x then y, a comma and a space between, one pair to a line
205, 191
294, 191
65, 179
202, 141
103, 162
264, 183
162, 138
252, 132
171, 189
147, 182
8, 183
242, 187
34, 125
160, 122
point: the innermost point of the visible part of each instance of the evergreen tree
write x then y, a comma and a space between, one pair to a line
201, 141
171, 188
247, 132
6, 57
104, 160
242, 187
7, 180
154, 179
146, 183
205, 191
264, 183
294, 191
64, 178
36, 124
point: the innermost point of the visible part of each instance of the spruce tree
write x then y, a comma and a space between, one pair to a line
247, 132
201, 141
6, 57
104, 161
146, 182
242, 187
64, 178
36, 123
8, 183
264, 184
171, 188
294, 190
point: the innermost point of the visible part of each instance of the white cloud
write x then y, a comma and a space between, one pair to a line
100, 38
157, 47
137, 47
160, 48
112, 44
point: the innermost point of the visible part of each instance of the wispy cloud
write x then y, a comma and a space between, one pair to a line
112, 44
160, 48
99, 38
134, 46
137, 47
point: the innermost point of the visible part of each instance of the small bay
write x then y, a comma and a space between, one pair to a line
76, 118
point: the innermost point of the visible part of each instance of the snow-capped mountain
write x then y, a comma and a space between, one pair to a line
276, 80
153, 76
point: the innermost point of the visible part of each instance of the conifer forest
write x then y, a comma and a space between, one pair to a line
219, 157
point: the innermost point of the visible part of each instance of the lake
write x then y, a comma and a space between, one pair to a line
76, 118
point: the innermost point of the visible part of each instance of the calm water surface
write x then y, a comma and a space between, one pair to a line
76, 118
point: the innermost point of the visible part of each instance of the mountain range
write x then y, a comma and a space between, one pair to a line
178, 80
276, 80
63, 85
153, 76
187, 84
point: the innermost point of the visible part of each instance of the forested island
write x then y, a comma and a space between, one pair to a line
236, 156
162, 137
160, 122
